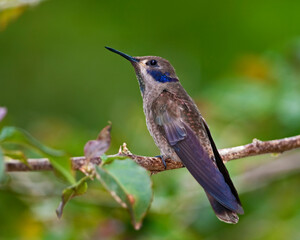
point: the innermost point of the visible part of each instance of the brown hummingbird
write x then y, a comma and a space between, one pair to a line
181, 133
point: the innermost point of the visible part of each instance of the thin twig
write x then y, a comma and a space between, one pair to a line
155, 165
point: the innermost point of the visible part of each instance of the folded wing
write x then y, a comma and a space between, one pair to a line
196, 159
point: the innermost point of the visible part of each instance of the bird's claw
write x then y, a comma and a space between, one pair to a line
163, 160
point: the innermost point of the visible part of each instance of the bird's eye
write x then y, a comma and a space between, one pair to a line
152, 62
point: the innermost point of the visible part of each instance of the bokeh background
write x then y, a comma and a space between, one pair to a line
240, 62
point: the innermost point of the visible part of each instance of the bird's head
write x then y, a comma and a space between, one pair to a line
152, 72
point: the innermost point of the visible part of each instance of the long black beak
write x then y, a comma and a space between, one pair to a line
131, 59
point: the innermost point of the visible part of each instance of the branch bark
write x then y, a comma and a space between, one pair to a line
154, 164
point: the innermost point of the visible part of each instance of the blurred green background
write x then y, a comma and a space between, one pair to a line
240, 62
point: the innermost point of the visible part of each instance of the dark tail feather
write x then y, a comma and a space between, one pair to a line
223, 213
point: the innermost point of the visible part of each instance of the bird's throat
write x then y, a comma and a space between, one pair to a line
161, 77
141, 83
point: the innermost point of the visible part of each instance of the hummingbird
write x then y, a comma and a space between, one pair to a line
181, 133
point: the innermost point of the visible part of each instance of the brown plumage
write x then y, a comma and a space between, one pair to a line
180, 132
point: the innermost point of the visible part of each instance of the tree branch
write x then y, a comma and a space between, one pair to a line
155, 165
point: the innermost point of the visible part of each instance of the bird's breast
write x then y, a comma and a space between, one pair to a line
160, 141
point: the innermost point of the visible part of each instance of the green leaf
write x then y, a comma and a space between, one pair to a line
59, 159
20, 136
16, 154
2, 165
77, 189
108, 159
130, 185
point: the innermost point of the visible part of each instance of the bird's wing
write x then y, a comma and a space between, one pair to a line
186, 144
220, 163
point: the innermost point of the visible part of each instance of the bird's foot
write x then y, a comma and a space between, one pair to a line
163, 160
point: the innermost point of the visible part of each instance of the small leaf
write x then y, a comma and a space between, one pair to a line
2, 165
130, 185
3, 112
16, 154
96, 148
77, 189
104, 135
108, 159
93, 149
